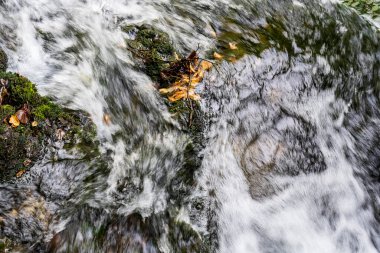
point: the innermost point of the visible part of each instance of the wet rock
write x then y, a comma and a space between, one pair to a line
151, 47
371, 8
94, 230
24, 215
40, 120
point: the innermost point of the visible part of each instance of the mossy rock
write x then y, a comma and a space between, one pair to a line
250, 40
184, 239
152, 46
22, 146
369, 7
3, 61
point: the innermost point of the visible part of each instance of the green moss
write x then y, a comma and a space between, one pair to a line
81, 136
370, 7
28, 142
21, 90
5, 111
3, 61
48, 110
185, 239
152, 46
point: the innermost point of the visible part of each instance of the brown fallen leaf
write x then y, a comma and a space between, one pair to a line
14, 121
60, 134
213, 34
20, 173
176, 57
27, 162
183, 95
13, 213
218, 56
34, 123
107, 119
232, 59
206, 65
185, 74
3, 94
233, 45
22, 116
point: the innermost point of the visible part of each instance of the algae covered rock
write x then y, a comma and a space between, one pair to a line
3, 60
152, 47
31, 122
369, 7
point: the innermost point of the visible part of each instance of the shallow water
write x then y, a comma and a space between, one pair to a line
290, 162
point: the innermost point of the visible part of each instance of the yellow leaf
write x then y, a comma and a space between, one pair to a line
196, 80
232, 59
27, 162
192, 70
164, 91
107, 119
176, 86
20, 173
218, 56
14, 121
206, 65
176, 56
194, 97
34, 123
232, 45
199, 74
177, 96
213, 34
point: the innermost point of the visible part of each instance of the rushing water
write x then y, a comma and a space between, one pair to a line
291, 148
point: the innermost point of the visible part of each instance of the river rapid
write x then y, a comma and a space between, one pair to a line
290, 162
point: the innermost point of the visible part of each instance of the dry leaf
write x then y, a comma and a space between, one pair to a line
218, 56
22, 116
232, 59
20, 173
27, 162
176, 56
206, 65
191, 71
175, 87
107, 119
60, 134
194, 97
3, 94
34, 123
13, 213
213, 34
177, 96
14, 121
232, 45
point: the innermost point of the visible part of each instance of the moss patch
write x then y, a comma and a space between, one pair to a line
152, 46
3, 60
184, 239
370, 7
21, 146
